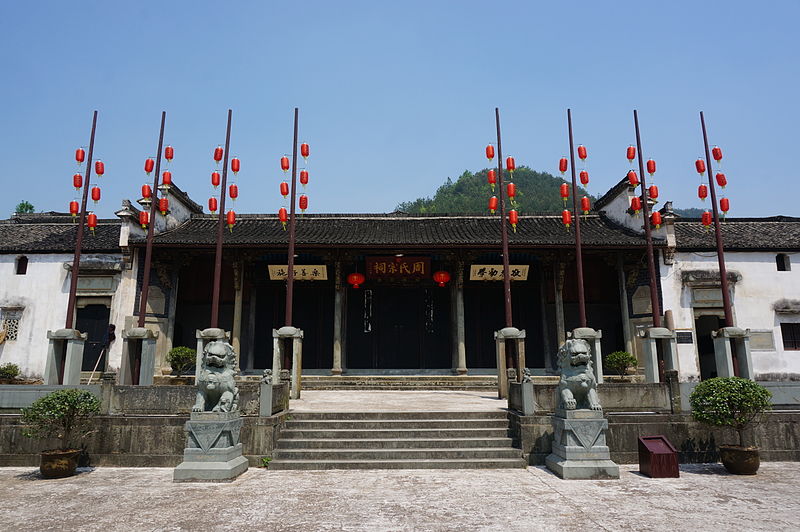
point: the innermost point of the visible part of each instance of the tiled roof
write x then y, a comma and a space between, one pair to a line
399, 229
54, 232
745, 234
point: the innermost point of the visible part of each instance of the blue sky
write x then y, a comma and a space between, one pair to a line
396, 97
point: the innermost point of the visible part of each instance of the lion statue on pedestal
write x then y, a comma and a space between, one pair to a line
216, 389
578, 386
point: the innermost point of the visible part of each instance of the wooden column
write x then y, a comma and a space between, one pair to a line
623, 305
558, 283
338, 310
236, 333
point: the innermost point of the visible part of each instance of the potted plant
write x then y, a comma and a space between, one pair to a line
182, 359
732, 402
63, 414
620, 361
9, 373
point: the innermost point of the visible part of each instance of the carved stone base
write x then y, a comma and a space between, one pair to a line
579, 446
213, 452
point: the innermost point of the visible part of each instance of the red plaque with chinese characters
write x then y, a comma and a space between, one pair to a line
398, 267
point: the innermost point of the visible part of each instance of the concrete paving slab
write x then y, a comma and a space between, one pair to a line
396, 401
105, 499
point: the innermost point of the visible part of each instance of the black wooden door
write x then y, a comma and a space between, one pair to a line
93, 320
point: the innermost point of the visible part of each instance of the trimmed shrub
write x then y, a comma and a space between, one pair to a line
620, 361
181, 359
9, 371
63, 414
729, 402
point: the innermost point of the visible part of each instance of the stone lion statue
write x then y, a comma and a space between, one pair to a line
216, 389
578, 386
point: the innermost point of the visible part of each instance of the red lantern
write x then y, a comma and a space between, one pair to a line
230, 219
148, 165
304, 177
235, 165
163, 206
721, 179
169, 153
564, 192
584, 177
631, 153
633, 179
513, 219
706, 219
215, 178
586, 205
166, 178
563, 165
716, 152
511, 189
146, 191
582, 152
493, 204
724, 206
77, 181
490, 152
95, 194
702, 192
441, 277
284, 189
303, 202
218, 154
74, 208
566, 218
700, 166
99, 168
91, 221
356, 280
285, 163
510, 164
655, 219
212, 204
636, 205
80, 156
233, 191
653, 191
304, 150
651, 167
491, 177
283, 217
143, 219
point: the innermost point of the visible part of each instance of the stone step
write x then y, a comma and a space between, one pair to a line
399, 443
413, 433
395, 424
399, 382
396, 454
478, 463
352, 416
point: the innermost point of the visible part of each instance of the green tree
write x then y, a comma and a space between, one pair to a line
24, 207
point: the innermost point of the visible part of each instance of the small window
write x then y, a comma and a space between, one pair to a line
791, 335
783, 262
22, 265
9, 323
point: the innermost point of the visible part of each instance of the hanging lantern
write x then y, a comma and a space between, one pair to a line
631, 153
284, 189
95, 194
441, 277
564, 192
652, 191
721, 179
491, 177
91, 221
702, 192
304, 151
510, 164
490, 152
77, 181
700, 166
304, 177
215, 179
230, 220
80, 156
285, 163
563, 165
511, 190
355, 280
493, 202
582, 152
633, 179
235, 165
99, 168
233, 191
586, 205
218, 154
706, 219
655, 219
303, 202
169, 153
163, 206
716, 153
74, 208
149, 163
143, 219
724, 206
513, 219
651, 167
147, 192
566, 218
584, 175
636, 205
283, 217
166, 179
212, 204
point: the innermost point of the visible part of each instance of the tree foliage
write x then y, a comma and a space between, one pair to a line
62, 414
24, 207
729, 402
469, 194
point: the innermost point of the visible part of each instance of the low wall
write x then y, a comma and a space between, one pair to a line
615, 397
16, 396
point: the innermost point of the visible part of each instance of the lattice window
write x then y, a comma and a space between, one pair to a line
9, 323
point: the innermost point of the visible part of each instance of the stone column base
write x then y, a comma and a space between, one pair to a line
579, 446
213, 452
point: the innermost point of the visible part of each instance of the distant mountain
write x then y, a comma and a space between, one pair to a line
692, 212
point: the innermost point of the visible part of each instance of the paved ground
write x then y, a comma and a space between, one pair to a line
105, 499
396, 401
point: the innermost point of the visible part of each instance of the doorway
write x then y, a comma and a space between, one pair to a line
93, 321
703, 326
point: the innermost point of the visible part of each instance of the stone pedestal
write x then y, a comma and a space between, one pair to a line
593, 338
213, 452
579, 446
724, 353
651, 339
278, 337
203, 337
500, 337
64, 350
138, 356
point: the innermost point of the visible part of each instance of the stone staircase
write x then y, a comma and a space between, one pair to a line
401, 382
396, 440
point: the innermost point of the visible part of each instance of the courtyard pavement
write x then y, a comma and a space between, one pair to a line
704, 498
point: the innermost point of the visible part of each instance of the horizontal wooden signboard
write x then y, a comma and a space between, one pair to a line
398, 267
494, 272
304, 272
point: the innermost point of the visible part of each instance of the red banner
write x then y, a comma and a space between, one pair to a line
398, 267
